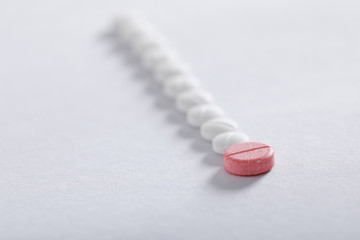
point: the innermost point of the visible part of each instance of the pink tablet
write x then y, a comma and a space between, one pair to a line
250, 158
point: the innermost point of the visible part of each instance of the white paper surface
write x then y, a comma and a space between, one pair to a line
91, 149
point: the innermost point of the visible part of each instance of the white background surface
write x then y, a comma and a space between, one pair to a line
90, 149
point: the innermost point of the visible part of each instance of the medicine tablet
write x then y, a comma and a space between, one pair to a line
180, 83
214, 127
249, 158
152, 57
141, 41
166, 69
200, 114
221, 142
191, 98
128, 28
122, 25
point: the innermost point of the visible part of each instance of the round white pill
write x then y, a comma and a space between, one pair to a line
180, 83
191, 98
221, 142
122, 24
127, 28
153, 56
166, 69
144, 41
214, 127
139, 40
200, 114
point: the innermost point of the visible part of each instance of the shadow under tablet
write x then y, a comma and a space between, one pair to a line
226, 181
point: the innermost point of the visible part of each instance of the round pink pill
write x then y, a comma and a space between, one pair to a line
249, 158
